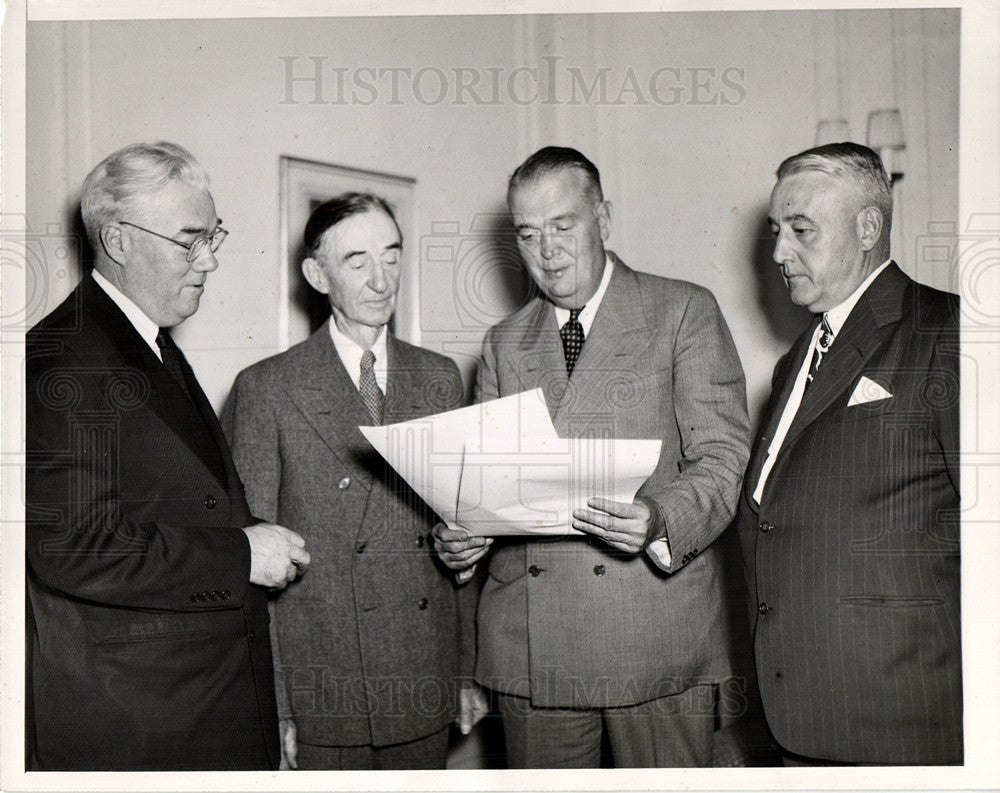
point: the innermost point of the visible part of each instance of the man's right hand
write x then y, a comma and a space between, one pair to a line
277, 555
457, 548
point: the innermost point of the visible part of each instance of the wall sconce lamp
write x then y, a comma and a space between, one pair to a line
885, 135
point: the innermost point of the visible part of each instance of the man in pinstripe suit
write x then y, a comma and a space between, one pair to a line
849, 517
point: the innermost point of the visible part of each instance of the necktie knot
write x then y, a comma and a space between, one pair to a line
371, 394
572, 339
823, 344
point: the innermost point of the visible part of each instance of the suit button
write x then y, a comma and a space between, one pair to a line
764, 527
361, 548
215, 595
225, 594
344, 483
195, 598
598, 569
534, 571
763, 608
210, 502
420, 541
422, 603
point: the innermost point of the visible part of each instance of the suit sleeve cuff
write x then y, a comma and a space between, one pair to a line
658, 548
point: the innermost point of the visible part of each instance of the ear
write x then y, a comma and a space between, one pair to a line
313, 271
869, 227
114, 243
604, 219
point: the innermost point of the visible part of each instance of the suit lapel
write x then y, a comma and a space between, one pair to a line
540, 362
618, 338
188, 419
861, 336
404, 387
325, 394
783, 382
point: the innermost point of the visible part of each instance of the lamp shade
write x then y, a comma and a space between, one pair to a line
885, 130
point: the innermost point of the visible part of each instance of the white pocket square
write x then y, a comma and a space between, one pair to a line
867, 391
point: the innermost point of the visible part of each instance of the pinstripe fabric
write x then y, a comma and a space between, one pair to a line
573, 623
852, 555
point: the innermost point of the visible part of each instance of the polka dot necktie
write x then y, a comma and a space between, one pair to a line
822, 348
368, 386
572, 339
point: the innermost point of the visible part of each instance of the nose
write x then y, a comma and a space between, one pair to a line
781, 249
378, 281
548, 246
205, 262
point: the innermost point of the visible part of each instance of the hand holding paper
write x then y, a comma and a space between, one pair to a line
625, 526
457, 548
499, 468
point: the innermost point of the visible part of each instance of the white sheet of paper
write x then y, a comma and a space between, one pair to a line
500, 468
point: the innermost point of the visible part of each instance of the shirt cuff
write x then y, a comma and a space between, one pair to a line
465, 575
661, 551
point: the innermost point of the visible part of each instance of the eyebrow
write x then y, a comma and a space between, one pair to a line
791, 218
395, 246
199, 229
563, 217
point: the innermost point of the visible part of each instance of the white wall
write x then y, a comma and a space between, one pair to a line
689, 175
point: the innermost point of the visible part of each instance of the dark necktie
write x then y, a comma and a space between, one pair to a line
822, 348
171, 359
572, 338
368, 386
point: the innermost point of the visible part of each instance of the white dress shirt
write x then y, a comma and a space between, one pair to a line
143, 325
350, 353
586, 317
835, 317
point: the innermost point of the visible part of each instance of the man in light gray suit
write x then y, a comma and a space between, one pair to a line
620, 630
368, 651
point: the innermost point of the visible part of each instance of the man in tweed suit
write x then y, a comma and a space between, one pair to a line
368, 650
619, 630
849, 517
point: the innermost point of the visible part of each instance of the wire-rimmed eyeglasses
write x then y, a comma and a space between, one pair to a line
193, 248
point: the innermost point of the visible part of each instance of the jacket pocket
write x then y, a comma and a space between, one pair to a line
889, 601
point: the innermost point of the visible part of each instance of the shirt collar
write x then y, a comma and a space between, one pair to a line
590, 310
838, 315
143, 325
350, 353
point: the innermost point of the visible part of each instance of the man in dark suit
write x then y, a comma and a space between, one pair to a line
369, 649
620, 630
147, 614
849, 517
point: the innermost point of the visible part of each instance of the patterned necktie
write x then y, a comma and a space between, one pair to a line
171, 359
822, 348
368, 386
572, 338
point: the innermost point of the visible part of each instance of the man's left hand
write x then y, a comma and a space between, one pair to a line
473, 705
621, 525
